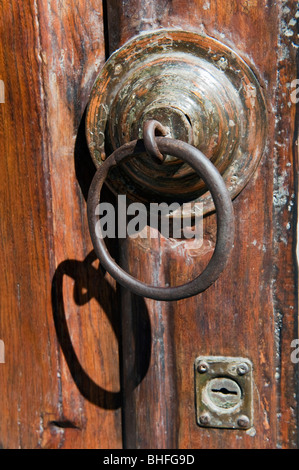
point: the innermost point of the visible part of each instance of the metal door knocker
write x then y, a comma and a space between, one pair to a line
212, 106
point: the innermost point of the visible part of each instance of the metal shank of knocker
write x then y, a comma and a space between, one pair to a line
157, 146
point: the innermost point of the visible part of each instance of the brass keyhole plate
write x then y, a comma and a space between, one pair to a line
223, 391
197, 87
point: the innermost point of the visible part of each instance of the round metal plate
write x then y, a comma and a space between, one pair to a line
198, 88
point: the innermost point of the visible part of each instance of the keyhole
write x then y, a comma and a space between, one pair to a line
222, 393
225, 391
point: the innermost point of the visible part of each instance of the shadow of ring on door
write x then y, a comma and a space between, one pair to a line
91, 283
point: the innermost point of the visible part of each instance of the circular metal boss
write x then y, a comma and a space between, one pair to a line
201, 91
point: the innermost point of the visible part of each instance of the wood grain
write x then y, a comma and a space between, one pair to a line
251, 311
59, 315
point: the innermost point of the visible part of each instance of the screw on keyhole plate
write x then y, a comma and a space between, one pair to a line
202, 367
242, 369
243, 421
223, 388
205, 419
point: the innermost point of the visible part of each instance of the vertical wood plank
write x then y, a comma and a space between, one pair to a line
59, 315
252, 309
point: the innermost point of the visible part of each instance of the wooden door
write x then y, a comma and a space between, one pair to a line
88, 364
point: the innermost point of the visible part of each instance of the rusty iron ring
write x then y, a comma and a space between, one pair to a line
149, 138
224, 209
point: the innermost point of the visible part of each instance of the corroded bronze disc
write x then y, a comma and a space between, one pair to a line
198, 88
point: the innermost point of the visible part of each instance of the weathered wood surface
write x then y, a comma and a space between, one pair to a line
251, 311
59, 317
59, 314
